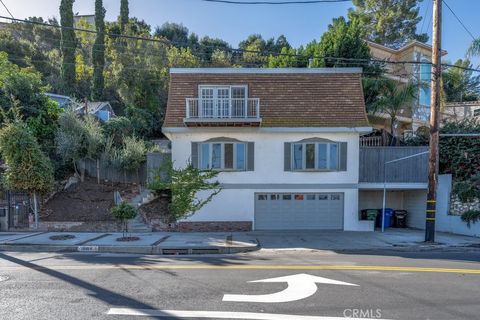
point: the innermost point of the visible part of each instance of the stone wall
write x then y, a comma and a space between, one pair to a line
201, 226
96, 226
457, 207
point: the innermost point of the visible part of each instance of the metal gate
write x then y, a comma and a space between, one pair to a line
16, 208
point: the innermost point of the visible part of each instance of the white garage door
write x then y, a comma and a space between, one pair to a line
296, 211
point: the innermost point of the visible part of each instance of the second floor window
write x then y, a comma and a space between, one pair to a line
223, 101
223, 156
315, 156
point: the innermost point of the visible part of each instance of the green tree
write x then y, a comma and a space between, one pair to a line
390, 99
98, 52
28, 169
68, 43
391, 23
123, 19
23, 88
69, 138
190, 188
123, 212
342, 40
460, 84
286, 59
175, 32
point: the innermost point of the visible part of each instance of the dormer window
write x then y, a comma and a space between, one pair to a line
223, 102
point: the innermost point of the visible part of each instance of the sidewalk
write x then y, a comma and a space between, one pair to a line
391, 239
173, 243
148, 243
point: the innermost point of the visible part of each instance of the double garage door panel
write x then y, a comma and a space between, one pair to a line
285, 211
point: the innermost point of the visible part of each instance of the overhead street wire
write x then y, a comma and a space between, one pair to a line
274, 2
459, 20
239, 50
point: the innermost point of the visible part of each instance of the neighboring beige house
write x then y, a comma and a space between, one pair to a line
409, 120
89, 18
458, 111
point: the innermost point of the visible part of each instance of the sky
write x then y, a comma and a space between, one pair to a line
233, 23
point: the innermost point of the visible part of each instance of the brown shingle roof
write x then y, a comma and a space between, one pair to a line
288, 97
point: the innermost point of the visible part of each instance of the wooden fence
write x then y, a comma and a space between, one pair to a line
413, 170
107, 172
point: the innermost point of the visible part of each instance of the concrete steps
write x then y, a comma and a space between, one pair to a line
137, 224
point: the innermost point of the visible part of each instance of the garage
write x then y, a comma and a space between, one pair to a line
298, 211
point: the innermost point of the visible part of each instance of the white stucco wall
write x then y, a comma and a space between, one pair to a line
269, 166
444, 222
236, 202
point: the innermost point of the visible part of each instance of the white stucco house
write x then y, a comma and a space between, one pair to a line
285, 140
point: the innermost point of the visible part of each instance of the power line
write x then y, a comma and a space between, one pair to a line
6, 8
274, 3
459, 20
265, 54
425, 15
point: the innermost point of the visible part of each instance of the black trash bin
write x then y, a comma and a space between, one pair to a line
400, 218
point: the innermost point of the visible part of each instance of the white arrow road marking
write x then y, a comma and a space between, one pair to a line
217, 315
300, 286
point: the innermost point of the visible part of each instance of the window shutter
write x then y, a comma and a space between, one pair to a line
287, 157
343, 156
250, 156
194, 156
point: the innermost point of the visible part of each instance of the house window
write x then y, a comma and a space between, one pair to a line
299, 197
223, 155
425, 79
274, 197
287, 197
262, 197
310, 197
223, 101
315, 156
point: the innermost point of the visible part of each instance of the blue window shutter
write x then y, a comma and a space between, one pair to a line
194, 156
287, 156
343, 157
250, 156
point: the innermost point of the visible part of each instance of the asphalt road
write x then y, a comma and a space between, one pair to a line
378, 285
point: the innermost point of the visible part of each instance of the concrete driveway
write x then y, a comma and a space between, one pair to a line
351, 240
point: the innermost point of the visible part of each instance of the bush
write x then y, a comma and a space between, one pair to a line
123, 212
471, 216
184, 185
467, 191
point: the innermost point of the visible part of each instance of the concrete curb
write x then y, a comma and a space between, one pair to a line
150, 250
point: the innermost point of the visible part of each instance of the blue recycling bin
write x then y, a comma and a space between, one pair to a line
388, 218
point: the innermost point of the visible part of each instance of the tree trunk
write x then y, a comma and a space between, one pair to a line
98, 171
35, 209
75, 168
82, 170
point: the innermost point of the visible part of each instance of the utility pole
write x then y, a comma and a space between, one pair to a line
434, 122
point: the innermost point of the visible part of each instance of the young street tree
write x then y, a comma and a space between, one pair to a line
28, 169
68, 43
98, 52
391, 23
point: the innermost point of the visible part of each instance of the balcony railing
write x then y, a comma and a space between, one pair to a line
223, 109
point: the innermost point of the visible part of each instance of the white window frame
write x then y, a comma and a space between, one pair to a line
215, 98
222, 155
304, 156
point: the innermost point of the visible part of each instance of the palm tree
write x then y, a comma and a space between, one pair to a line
474, 49
389, 97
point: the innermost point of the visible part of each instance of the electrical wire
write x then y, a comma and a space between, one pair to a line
459, 20
6, 8
274, 3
